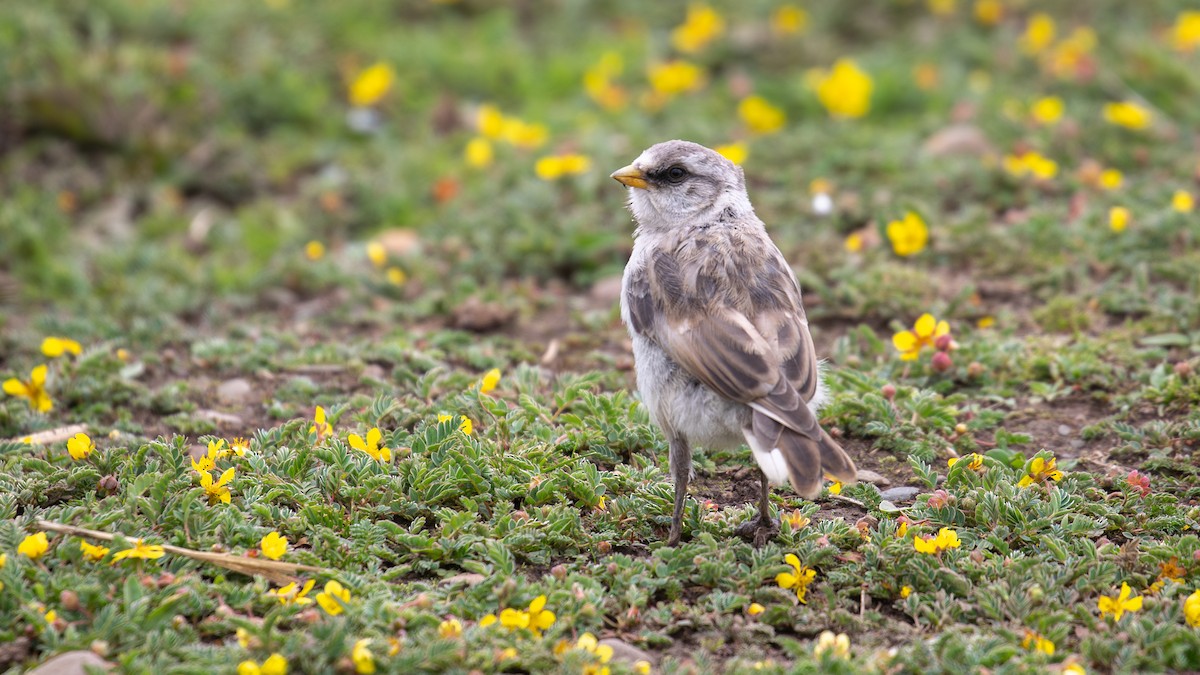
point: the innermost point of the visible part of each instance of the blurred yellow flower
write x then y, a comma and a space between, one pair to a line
675, 77
275, 664
1040, 471
1067, 57
140, 550
946, 539
396, 276
320, 427
755, 609
1128, 114
1110, 179
1125, 601
796, 519
540, 618
364, 662
553, 167
853, 243
1118, 218
489, 121
1185, 35
788, 20
80, 446
985, 322
702, 26
989, 12
55, 347
273, 545
372, 84
760, 116
33, 389
925, 333
942, 7
835, 488
1039, 33
974, 461
92, 552
1191, 609
314, 250
1182, 201
478, 152
377, 254
1035, 642
905, 591
598, 82
1047, 111
926, 76
450, 628
845, 91
798, 579
334, 598
465, 426
293, 594
217, 490
490, 379
641, 667
908, 235
527, 135
837, 645
734, 152
371, 445
1030, 163
34, 546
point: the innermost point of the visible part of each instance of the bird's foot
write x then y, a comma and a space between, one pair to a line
676, 534
758, 531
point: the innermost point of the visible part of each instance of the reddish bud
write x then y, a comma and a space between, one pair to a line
69, 601
888, 391
974, 369
941, 362
1183, 369
559, 572
943, 342
604, 547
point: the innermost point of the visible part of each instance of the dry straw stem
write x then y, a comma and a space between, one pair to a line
278, 572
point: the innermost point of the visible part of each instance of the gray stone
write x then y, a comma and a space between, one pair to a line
868, 476
900, 494
237, 390
627, 653
71, 663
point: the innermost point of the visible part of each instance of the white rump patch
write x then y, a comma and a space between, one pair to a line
770, 461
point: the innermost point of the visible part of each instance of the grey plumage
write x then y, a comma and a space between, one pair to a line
720, 338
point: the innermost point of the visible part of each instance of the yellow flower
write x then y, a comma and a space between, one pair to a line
1040, 471
54, 347
314, 250
837, 645
974, 461
925, 333
91, 552
274, 545
905, 591
1191, 609
377, 254
734, 152
942, 7
490, 379
371, 446
1047, 111
540, 618
275, 664
553, 167
846, 90
33, 389
292, 594
396, 276
641, 667
208, 461
524, 135
372, 84
34, 546
946, 539
1037, 643
478, 152
450, 628
853, 243
702, 26
1031, 163
799, 578
50, 616
1128, 114
217, 491
1118, 218
1039, 33
597, 81
1185, 35
989, 12
675, 77
755, 609
788, 20
364, 662
1122, 603
322, 429
760, 116
140, 550
835, 488
1182, 201
80, 446
334, 598
909, 235
465, 426
926, 76
1110, 179
796, 519
603, 653
902, 529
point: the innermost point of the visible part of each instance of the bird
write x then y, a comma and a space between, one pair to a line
721, 345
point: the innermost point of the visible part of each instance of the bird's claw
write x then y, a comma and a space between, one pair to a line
758, 531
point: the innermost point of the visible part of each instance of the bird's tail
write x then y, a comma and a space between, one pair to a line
799, 459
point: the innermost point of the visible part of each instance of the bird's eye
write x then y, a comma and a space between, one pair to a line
676, 173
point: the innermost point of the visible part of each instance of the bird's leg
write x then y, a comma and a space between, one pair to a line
681, 471
761, 529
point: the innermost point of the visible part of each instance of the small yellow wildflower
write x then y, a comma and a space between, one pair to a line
734, 152
396, 276
489, 121
796, 519
755, 609
908, 235
853, 243
902, 529
1067, 57
92, 552
364, 662
334, 598
702, 26
974, 461
50, 617
946, 539
509, 618
80, 446
320, 427
675, 77
641, 667
835, 488
273, 545
140, 550
1182, 201
846, 90
33, 389
597, 81
1031, 163
1118, 218
1040, 471
905, 591
244, 638
371, 445
217, 490
34, 546
540, 618
1070, 667
489, 381
603, 653
1125, 601
377, 254
836, 645
1185, 34
1047, 111
1128, 114
1035, 642
464, 426
527, 135
275, 664
553, 167
450, 628
1039, 33
760, 116
1110, 179
372, 84
1191, 609
55, 347
925, 333
989, 12
478, 152
788, 20
799, 578
293, 594
942, 7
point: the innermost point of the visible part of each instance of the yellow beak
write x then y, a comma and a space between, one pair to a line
630, 176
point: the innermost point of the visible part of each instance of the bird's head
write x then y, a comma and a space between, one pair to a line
679, 182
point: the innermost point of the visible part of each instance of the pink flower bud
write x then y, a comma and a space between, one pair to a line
943, 342
888, 391
941, 362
